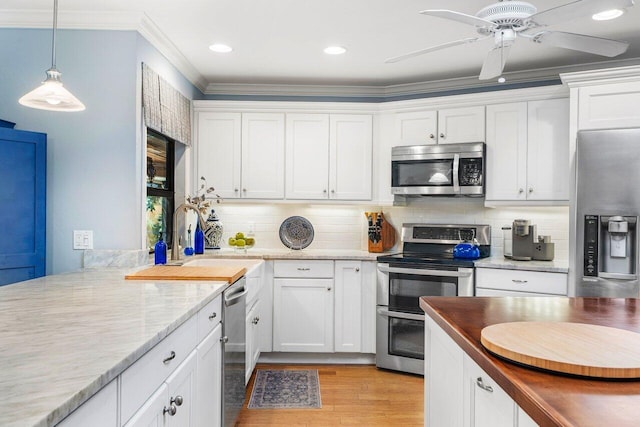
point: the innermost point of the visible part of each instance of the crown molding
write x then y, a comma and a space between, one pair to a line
612, 75
140, 22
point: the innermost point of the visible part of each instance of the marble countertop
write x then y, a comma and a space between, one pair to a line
271, 254
66, 336
555, 266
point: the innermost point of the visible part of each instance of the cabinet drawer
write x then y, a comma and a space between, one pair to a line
209, 317
522, 281
142, 378
297, 268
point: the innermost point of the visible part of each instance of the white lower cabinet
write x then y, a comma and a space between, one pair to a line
348, 309
101, 410
152, 412
458, 393
252, 327
499, 282
208, 409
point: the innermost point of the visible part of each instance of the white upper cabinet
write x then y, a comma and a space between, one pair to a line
528, 151
329, 156
218, 151
262, 155
613, 105
448, 126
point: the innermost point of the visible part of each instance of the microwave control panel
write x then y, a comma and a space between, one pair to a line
470, 172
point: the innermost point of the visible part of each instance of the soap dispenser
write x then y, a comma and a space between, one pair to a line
160, 251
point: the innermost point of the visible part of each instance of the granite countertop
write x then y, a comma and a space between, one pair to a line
500, 262
550, 399
64, 337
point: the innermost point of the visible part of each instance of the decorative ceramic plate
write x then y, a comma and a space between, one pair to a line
296, 232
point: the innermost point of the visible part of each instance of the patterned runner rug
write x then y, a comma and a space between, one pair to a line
285, 389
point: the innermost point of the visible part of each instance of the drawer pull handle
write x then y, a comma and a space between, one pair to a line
481, 384
519, 281
303, 269
178, 400
213, 315
170, 358
171, 410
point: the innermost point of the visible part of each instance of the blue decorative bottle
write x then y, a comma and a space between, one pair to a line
198, 240
160, 251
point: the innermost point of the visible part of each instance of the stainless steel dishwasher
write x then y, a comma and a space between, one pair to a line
234, 349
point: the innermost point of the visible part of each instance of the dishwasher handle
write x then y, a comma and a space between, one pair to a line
234, 297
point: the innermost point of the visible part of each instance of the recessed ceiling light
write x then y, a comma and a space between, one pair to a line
334, 50
608, 14
220, 48
501, 80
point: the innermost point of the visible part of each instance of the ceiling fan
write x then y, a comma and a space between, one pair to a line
507, 20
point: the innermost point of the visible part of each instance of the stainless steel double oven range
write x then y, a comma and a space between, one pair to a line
426, 267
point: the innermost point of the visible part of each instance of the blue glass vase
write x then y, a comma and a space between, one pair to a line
198, 241
160, 251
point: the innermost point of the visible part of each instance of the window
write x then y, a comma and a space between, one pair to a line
160, 188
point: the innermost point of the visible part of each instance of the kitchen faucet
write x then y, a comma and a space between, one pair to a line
175, 247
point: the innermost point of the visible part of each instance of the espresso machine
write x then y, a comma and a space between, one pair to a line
524, 235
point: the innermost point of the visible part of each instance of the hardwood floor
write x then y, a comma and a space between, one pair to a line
354, 395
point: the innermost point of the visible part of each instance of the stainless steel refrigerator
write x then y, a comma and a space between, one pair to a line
606, 214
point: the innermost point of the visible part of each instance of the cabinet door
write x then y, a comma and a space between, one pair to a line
548, 163
182, 384
443, 378
348, 306
101, 410
151, 414
303, 315
420, 128
490, 405
606, 106
218, 154
506, 151
263, 155
307, 151
208, 405
457, 125
350, 156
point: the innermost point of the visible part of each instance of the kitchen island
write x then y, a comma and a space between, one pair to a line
547, 399
65, 337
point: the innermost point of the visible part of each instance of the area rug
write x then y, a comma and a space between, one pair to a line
286, 389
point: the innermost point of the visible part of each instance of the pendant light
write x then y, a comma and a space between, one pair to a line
51, 95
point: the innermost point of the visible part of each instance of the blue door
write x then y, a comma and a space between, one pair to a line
23, 164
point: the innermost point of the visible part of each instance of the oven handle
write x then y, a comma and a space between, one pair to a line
399, 315
425, 272
456, 168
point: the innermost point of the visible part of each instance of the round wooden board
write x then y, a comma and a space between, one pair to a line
570, 348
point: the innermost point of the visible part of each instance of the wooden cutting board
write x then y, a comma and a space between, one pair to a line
176, 272
570, 348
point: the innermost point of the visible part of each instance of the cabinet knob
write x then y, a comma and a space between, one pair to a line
171, 410
324, 191
178, 400
235, 189
432, 136
530, 190
170, 358
224, 339
329, 288
213, 315
442, 135
520, 190
482, 385
244, 190
357, 269
333, 191
255, 320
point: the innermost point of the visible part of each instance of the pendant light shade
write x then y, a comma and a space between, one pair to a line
51, 94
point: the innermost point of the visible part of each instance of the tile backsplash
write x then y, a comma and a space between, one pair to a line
345, 226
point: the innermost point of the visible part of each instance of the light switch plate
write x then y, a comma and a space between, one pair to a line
82, 239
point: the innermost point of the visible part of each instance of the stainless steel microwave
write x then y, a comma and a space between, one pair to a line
438, 170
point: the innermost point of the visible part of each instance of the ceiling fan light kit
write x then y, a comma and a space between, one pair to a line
506, 20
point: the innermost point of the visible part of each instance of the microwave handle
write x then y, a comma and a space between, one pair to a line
456, 167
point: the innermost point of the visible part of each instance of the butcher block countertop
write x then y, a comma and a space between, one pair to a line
550, 399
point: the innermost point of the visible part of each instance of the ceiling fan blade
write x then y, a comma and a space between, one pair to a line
432, 49
459, 17
494, 62
590, 44
576, 9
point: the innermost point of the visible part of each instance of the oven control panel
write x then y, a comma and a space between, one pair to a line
443, 233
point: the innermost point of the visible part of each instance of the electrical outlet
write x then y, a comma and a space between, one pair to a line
82, 239
251, 229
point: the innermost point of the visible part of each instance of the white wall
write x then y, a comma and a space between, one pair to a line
345, 227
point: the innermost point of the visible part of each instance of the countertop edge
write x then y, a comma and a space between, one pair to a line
83, 395
520, 393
